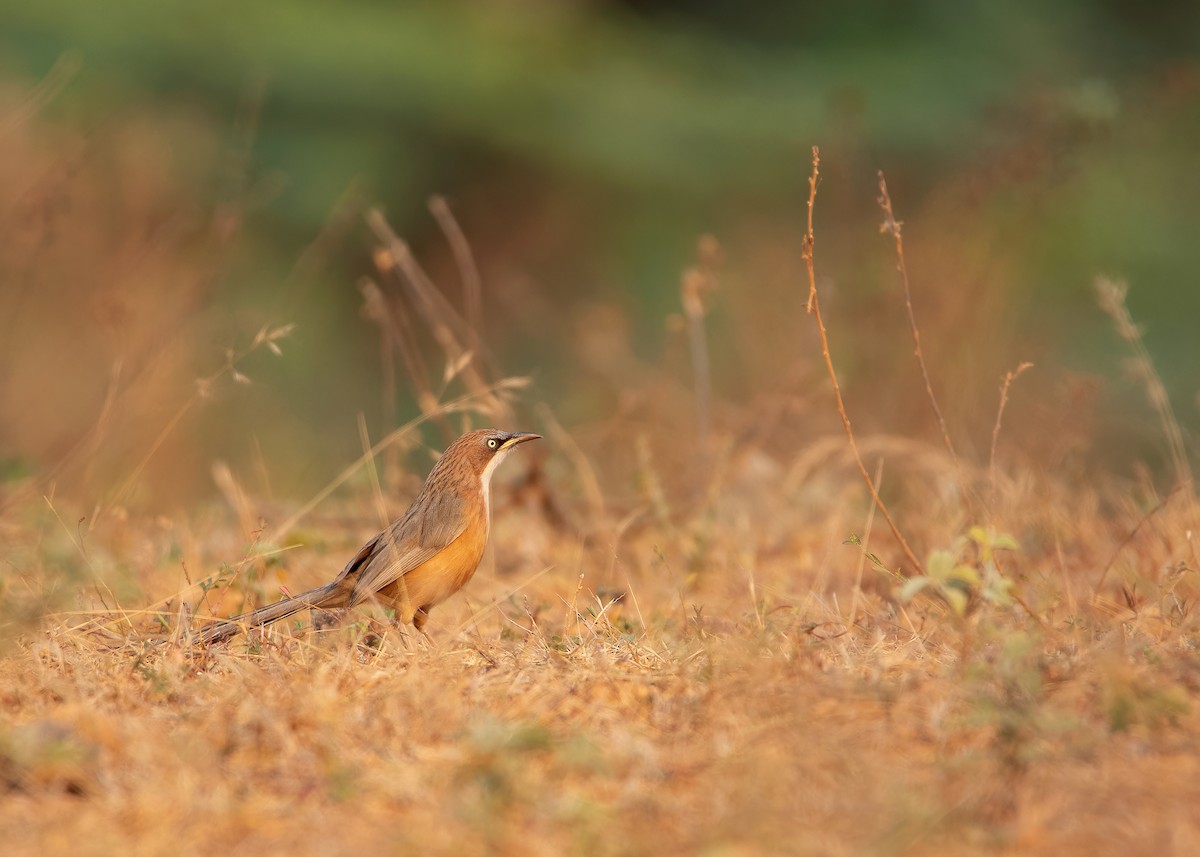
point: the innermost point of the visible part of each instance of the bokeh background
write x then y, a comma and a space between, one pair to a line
174, 177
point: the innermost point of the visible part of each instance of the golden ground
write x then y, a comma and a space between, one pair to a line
761, 703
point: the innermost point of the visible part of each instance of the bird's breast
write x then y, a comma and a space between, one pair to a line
448, 571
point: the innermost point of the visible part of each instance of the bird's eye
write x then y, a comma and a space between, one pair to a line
491, 443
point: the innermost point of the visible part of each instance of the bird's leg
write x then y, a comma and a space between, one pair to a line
420, 617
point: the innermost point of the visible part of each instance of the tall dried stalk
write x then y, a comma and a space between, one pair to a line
447, 327
465, 260
397, 334
697, 282
1009, 377
1111, 294
814, 307
894, 227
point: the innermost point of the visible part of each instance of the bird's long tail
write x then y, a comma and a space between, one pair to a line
322, 596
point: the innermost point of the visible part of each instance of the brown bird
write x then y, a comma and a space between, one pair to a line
424, 557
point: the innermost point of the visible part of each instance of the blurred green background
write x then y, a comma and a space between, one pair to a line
179, 174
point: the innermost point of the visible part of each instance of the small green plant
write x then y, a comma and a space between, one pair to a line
965, 574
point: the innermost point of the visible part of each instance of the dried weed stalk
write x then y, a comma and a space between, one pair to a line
894, 227
1111, 294
814, 307
1005, 384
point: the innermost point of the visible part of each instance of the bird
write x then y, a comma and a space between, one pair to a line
425, 556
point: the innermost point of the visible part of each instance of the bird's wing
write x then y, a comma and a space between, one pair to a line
426, 528
442, 520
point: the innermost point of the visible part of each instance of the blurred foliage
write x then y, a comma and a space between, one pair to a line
585, 146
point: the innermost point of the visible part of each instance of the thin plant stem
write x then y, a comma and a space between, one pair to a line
895, 228
1111, 294
814, 307
1009, 377
465, 260
693, 310
862, 559
1162, 504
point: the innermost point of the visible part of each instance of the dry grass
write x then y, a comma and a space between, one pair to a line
662, 656
734, 714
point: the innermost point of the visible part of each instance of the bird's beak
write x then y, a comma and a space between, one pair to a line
521, 437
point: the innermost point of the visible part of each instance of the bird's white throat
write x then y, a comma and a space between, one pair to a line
485, 480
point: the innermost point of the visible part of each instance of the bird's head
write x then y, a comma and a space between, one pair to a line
482, 451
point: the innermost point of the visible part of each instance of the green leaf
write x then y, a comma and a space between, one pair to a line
956, 598
998, 590
912, 586
990, 540
940, 564
853, 539
964, 573
1005, 542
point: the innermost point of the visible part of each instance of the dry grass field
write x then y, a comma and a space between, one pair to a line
695, 633
761, 703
